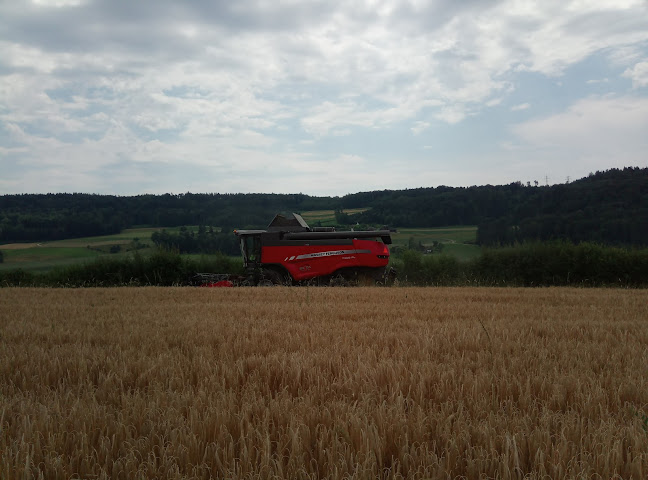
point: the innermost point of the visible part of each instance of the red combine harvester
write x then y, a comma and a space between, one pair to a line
289, 251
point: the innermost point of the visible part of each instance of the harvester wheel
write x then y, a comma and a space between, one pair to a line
338, 280
271, 278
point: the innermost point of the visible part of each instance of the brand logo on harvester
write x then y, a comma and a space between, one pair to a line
325, 254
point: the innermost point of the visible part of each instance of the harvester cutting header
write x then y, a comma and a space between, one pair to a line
289, 251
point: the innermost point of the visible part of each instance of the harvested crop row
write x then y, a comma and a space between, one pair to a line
323, 383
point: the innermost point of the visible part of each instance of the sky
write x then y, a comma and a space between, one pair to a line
127, 97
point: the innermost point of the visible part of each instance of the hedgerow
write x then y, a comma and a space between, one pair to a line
526, 265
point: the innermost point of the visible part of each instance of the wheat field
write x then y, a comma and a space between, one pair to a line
310, 383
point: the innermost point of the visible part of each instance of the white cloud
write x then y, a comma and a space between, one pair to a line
638, 74
595, 133
125, 83
451, 115
333, 117
521, 106
19, 56
58, 3
342, 174
419, 127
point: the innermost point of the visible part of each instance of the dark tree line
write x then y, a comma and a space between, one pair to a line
31, 217
608, 207
205, 240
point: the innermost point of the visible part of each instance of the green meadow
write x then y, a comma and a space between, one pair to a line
41, 257
458, 242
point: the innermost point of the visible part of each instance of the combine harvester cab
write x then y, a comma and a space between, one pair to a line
289, 251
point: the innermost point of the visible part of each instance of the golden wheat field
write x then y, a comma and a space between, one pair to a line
171, 383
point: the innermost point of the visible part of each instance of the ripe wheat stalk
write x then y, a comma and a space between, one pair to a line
323, 383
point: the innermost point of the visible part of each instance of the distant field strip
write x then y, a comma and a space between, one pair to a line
323, 383
459, 234
458, 241
60, 253
328, 215
18, 246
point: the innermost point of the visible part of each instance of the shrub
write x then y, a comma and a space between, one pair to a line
18, 278
529, 265
562, 263
163, 267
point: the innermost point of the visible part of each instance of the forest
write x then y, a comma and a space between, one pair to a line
609, 208
55, 216
205, 240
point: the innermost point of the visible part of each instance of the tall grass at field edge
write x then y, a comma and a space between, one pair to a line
530, 265
564, 264
162, 268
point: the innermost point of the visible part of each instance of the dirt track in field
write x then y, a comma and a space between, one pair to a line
19, 246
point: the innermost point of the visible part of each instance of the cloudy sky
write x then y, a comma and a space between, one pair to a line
320, 97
